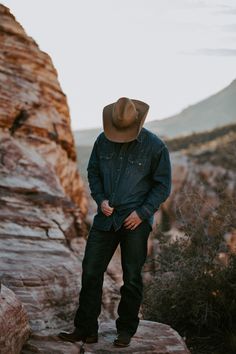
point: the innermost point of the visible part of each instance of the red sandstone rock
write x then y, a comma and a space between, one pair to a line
14, 326
33, 108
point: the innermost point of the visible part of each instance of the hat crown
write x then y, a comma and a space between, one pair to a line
123, 119
124, 113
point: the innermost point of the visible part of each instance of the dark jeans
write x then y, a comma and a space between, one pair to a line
100, 248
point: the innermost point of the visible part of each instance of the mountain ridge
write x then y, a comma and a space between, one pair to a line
214, 111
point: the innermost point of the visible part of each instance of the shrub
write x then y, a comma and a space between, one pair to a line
192, 290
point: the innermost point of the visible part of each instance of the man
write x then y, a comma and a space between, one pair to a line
129, 175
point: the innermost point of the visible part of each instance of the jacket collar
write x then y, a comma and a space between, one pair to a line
140, 136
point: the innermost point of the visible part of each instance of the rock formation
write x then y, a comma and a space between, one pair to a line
42, 201
33, 108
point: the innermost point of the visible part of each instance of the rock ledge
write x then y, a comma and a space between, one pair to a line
151, 337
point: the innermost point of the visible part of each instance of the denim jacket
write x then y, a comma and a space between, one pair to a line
132, 176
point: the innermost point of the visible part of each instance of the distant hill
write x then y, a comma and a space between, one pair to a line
86, 137
215, 111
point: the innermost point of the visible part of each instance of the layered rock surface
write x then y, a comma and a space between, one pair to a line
14, 326
33, 107
42, 198
42, 201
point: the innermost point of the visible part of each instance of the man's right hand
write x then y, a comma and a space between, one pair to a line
106, 209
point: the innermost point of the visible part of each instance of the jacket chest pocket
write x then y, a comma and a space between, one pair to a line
105, 161
136, 164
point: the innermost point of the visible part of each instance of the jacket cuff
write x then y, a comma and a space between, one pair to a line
99, 199
144, 212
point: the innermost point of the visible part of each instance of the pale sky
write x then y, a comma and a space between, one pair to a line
169, 53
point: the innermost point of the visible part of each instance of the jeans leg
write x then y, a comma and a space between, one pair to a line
133, 255
99, 250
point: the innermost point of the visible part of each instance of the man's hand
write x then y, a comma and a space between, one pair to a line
132, 221
106, 209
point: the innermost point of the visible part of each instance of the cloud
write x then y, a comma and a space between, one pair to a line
230, 27
222, 52
226, 11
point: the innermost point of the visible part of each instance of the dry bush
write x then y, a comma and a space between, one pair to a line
192, 290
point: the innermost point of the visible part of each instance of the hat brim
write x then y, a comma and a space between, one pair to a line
128, 134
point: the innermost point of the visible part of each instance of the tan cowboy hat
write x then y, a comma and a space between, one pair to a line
123, 119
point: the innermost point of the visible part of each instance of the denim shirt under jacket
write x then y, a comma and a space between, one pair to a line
132, 176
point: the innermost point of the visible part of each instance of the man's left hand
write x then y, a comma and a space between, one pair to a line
132, 221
